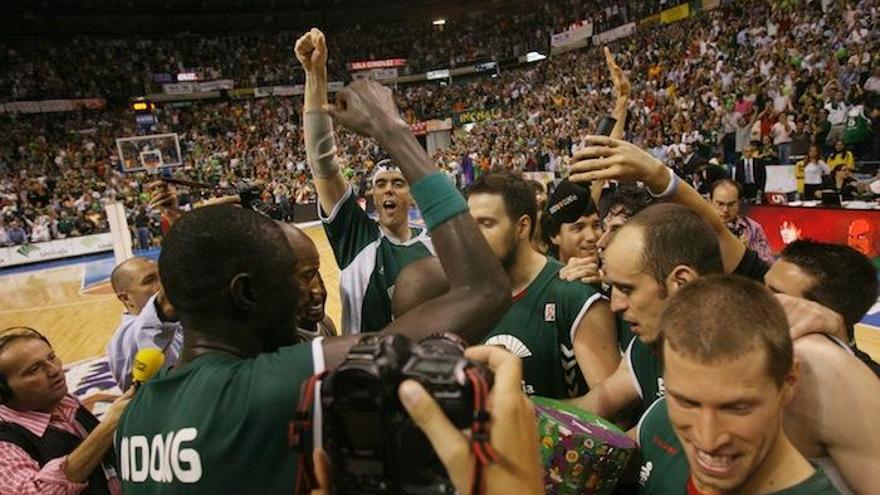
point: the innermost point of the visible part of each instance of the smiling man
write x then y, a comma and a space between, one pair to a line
730, 372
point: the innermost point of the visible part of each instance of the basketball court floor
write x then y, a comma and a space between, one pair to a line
71, 302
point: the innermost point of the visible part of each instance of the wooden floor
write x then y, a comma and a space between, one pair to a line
79, 323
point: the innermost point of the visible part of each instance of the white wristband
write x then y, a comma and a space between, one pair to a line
670, 189
320, 143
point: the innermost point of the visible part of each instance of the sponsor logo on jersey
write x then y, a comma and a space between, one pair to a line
160, 459
550, 312
511, 343
661, 387
645, 472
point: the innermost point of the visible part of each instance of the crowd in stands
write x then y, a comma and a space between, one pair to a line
769, 79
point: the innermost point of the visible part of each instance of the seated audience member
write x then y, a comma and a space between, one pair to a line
49, 442
724, 196
730, 372
840, 157
149, 320
232, 276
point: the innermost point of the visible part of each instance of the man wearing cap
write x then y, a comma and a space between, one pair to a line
370, 254
572, 230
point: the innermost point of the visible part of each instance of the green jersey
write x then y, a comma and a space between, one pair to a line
646, 369
665, 469
540, 328
217, 425
369, 261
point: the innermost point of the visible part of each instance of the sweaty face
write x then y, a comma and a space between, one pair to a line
725, 199
578, 239
34, 373
727, 414
491, 216
787, 278
313, 294
392, 198
634, 292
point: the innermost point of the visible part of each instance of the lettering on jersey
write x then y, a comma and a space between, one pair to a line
661, 387
645, 472
528, 389
570, 370
665, 446
550, 312
511, 343
161, 459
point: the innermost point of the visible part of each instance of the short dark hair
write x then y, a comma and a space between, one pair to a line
518, 194
628, 199
846, 280
209, 246
725, 182
674, 235
724, 317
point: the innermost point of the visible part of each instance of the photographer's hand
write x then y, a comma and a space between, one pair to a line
514, 433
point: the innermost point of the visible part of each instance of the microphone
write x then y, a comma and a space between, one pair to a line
147, 362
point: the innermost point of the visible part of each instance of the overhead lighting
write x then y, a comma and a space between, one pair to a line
535, 57
439, 22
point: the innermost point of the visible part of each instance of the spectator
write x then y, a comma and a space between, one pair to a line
815, 171
725, 197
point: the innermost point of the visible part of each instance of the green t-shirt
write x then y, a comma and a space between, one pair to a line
539, 328
369, 262
217, 425
665, 468
646, 369
624, 333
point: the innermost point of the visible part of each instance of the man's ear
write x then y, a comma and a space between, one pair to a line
524, 227
243, 293
124, 298
680, 276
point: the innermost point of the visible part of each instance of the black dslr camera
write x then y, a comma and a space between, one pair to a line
373, 445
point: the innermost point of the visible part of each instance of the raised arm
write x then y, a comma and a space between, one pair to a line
311, 51
479, 293
606, 158
622, 88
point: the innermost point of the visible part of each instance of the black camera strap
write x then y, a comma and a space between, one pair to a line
299, 436
482, 448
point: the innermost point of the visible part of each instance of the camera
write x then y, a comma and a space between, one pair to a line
373, 445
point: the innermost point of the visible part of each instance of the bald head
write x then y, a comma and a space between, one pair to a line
134, 281
313, 294
419, 282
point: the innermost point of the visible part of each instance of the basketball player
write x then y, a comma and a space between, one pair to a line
218, 422
730, 373
812, 427
563, 331
313, 322
370, 254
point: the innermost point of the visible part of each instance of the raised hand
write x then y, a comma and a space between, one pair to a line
605, 158
622, 86
311, 51
367, 108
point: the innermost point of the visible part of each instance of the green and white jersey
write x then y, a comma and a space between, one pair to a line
217, 425
665, 469
369, 261
646, 369
540, 328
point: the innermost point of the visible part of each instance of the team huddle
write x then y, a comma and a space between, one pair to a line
623, 293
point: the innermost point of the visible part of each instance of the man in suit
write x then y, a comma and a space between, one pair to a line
751, 174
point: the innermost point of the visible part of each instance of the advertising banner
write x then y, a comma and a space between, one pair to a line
376, 64
476, 116
59, 248
47, 106
419, 128
675, 14
217, 85
577, 32
614, 34
179, 88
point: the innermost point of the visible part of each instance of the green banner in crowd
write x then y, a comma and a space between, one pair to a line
476, 116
